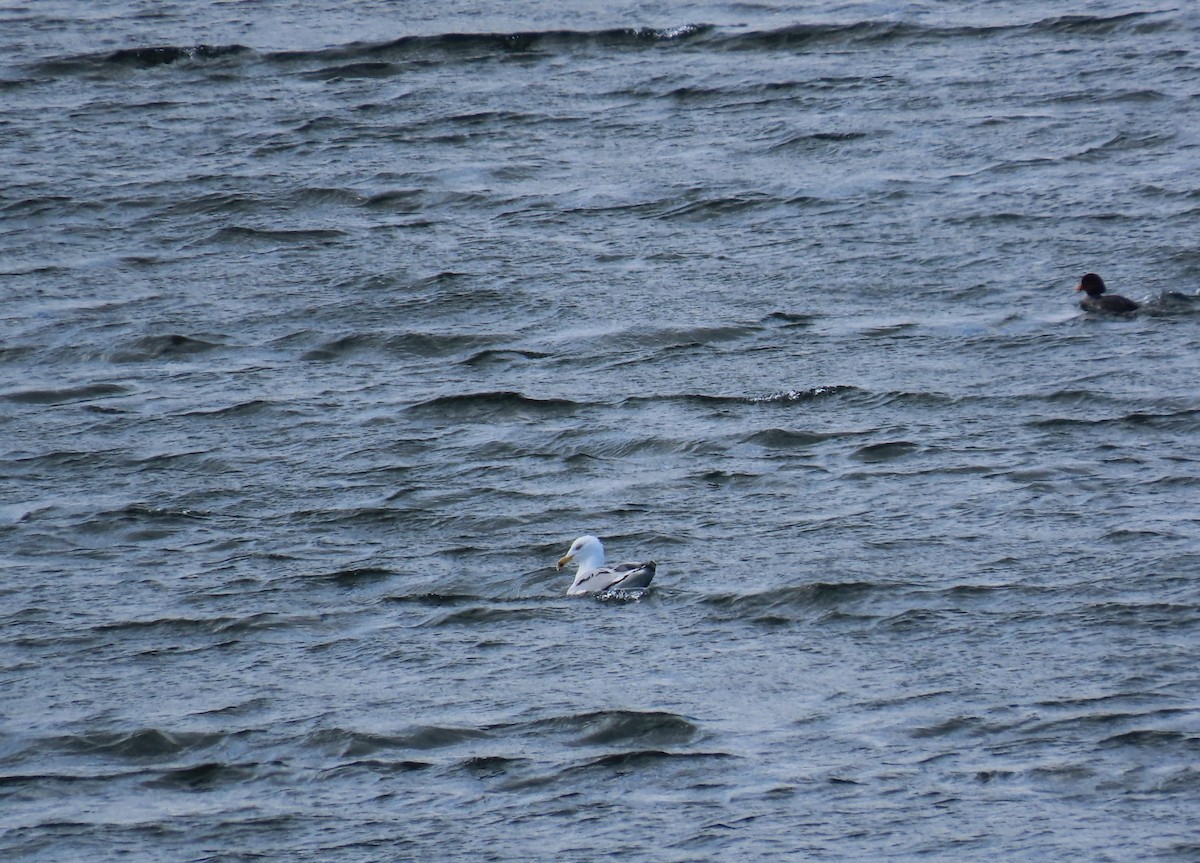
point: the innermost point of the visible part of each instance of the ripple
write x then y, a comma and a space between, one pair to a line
143, 743
206, 776
618, 727
502, 404
886, 451
84, 393
169, 346
346, 743
165, 54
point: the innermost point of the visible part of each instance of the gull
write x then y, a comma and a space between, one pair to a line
594, 577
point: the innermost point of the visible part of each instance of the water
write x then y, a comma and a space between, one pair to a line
326, 330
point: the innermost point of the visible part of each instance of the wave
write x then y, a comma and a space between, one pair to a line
609, 727
355, 576
775, 438
433, 600
706, 208
616, 763
379, 59
810, 141
644, 757
360, 59
487, 614
787, 397
59, 459
141, 513
66, 395
376, 766
1139, 726
685, 337
502, 356
411, 344
364, 69
1155, 740
1163, 419
136, 57
251, 407
602, 728
886, 451
793, 396
491, 404
800, 398
874, 32
204, 776
185, 626
346, 742
39, 206
822, 596
139, 744
1097, 25
790, 320
492, 766
164, 54
1171, 303
240, 234
518, 42
167, 346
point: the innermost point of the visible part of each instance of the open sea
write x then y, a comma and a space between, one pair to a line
326, 327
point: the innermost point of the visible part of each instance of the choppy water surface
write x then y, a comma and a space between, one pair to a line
325, 333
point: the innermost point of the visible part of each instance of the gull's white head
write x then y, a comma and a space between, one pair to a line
587, 552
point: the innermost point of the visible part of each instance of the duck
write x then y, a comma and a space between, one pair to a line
1097, 301
592, 576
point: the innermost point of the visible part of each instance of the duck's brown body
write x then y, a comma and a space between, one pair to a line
1098, 301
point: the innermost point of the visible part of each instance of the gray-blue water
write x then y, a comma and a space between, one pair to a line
327, 327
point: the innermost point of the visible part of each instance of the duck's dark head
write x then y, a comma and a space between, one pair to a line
1091, 284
